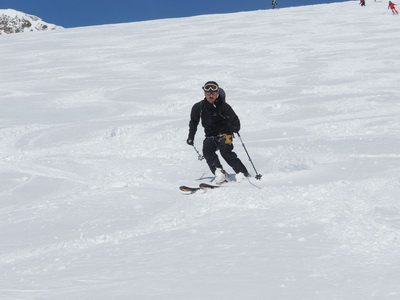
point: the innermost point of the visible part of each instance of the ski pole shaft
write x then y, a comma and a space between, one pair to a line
258, 176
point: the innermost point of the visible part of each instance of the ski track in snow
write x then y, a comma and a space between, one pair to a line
93, 128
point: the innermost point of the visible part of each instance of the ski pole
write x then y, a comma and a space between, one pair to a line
200, 157
258, 176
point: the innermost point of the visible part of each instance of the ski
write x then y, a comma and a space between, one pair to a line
208, 186
202, 186
192, 190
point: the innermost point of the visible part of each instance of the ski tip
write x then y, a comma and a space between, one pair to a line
189, 189
185, 188
208, 186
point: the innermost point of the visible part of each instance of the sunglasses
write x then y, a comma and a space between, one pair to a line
210, 88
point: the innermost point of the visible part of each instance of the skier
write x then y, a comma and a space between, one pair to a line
393, 8
219, 122
274, 4
362, 2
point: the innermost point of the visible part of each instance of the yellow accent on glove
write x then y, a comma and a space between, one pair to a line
228, 139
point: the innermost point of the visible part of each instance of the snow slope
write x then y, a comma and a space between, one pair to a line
93, 124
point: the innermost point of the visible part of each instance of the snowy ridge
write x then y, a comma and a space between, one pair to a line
12, 21
93, 124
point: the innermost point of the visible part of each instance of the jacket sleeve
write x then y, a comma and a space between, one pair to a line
230, 115
194, 120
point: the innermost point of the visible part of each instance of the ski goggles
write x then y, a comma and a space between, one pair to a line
210, 88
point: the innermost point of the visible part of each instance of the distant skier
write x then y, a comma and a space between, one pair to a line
219, 122
274, 4
362, 2
393, 8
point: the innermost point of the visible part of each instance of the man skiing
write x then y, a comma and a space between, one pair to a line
219, 122
393, 8
362, 2
274, 4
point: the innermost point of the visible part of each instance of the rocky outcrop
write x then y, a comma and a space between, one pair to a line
12, 21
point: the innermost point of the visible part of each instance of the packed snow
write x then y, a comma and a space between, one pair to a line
93, 128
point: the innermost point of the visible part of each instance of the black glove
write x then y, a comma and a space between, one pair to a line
190, 141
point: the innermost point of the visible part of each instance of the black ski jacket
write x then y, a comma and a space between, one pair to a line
217, 118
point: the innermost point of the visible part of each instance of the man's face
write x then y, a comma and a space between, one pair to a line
211, 96
211, 91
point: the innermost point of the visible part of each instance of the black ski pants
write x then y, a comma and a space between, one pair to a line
211, 145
